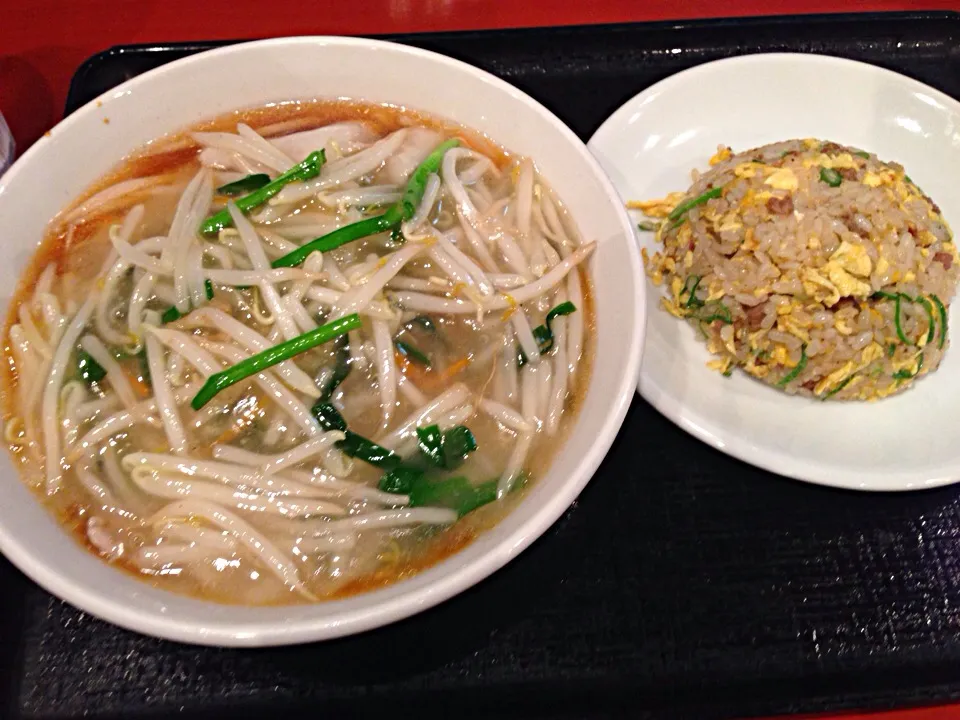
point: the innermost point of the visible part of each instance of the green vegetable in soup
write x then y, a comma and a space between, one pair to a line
88, 368
171, 313
302, 171
404, 209
271, 356
245, 184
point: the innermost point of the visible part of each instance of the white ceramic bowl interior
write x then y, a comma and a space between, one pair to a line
84, 146
648, 148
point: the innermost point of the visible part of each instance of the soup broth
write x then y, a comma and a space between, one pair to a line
426, 291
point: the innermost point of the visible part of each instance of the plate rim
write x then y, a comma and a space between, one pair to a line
772, 460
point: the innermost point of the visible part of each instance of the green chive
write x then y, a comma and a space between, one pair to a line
171, 313
716, 310
403, 210
891, 350
271, 356
692, 300
446, 450
417, 184
647, 226
341, 368
839, 387
943, 320
862, 153
423, 321
932, 329
906, 374
683, 208
90, 370
245, 184
305, 170
333, 240
897, 301
354, 445
458, 442
456, 493
831, 177
543, 334
896, 320
790, 376
411, 353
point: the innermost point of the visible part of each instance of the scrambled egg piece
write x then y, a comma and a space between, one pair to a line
730, 221
852, 258
790, 325
754, 338
722, 154
841, 161
882, 266
659, 208
842, 327
715, 289
780, 356
676, 287
722, 365
672, 308
844, 269
847, 285
834, 378
909, 364
748, 169
870, 353
818, 287
785, 308
783, 179
885, 177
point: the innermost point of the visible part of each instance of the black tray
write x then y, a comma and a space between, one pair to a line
682, 583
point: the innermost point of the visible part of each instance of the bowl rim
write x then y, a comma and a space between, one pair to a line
700, 425
427, 588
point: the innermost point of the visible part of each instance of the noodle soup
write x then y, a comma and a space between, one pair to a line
299, 352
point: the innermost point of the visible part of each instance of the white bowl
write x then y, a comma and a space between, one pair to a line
84, 146
648, 148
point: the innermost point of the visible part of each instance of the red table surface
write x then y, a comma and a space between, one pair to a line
42, 42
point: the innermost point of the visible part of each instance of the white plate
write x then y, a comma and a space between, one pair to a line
648, 148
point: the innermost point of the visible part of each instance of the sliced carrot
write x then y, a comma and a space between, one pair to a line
456, 368
132, 371
232, 432
427, 378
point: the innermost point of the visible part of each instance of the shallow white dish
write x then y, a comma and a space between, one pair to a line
649, 146
84, 146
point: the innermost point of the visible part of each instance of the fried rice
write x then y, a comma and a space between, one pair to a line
814, 267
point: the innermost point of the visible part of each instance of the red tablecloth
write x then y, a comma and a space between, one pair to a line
43, 41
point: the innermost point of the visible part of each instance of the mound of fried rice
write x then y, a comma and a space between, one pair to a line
814, 267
